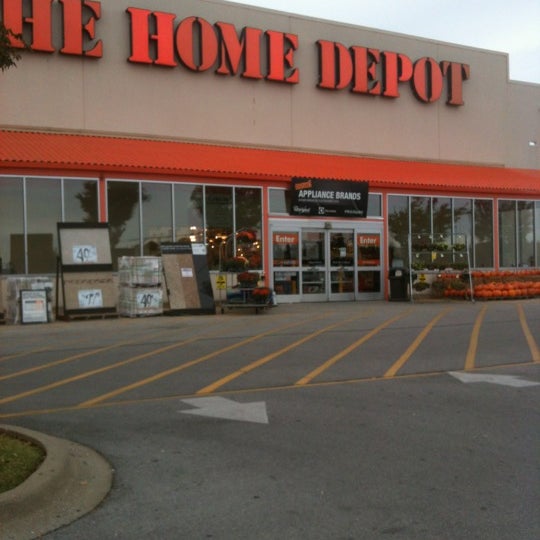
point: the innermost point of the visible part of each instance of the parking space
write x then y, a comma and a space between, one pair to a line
94, 362
308, 421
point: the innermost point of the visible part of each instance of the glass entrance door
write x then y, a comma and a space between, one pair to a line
312, 264
327, 265
341, 267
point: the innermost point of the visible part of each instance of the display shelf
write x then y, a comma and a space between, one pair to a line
433, 254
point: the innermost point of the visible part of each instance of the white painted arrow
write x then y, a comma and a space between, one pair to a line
218, 407
505, 380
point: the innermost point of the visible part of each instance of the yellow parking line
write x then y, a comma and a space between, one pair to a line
176, 369
323, 367
257, 363
528, 335
415, 344
473, 343
243, 391
61, 361
95, 371
86, 374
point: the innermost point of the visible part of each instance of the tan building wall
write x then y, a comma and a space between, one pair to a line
111, 95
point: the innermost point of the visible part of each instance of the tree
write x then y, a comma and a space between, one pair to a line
8, 53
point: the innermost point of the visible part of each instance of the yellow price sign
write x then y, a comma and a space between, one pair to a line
220, 282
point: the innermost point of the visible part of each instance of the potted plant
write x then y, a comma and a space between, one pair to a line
261, 295
420, 286
248, 280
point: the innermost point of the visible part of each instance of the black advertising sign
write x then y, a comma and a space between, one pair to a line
331, 198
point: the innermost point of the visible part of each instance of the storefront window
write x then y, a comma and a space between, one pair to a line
483, 234
49, 200
11, 226
507, 233
43, 212
279, 200
156, 217
398, 230
537, 232
442, 217
219, 229
124, 218
525, 233
188, 213
421, 215
248, 218
374, 205
463, 218
81, 201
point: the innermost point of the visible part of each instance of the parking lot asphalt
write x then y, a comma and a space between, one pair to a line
349, 420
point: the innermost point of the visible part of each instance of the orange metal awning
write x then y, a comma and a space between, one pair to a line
100, 154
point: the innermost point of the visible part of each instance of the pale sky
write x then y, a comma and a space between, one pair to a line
511, 27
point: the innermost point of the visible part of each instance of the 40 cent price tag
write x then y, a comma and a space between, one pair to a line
85, 254
149, 299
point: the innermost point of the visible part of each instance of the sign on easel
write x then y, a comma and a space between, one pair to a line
34, 306
86, 269
187, 277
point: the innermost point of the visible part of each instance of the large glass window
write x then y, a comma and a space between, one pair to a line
462, 218
81, 201
31, 246
142, 215
442, 220
442, 216
537, 232
398, 230
219, 229
507, 233
525, 233
43, 212
483, 233
189, 213
123, 205
156, 216
248, 225
12, 260
421, 215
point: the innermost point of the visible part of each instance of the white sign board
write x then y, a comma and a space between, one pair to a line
90, 298
34, 306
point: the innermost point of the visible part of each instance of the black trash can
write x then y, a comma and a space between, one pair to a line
399, 284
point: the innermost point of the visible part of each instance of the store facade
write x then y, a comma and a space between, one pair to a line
196, 122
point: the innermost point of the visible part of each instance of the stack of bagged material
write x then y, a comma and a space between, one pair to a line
17, 284
140, 286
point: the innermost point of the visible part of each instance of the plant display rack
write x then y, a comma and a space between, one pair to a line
440, 255
247, 293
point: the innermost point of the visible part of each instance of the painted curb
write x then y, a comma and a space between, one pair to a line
72, 480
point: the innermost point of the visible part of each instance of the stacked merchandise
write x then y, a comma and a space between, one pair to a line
17, 284
140, 286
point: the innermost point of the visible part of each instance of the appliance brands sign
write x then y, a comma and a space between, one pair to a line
330, 198
160, 39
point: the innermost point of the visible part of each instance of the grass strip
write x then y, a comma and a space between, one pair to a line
19, 458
